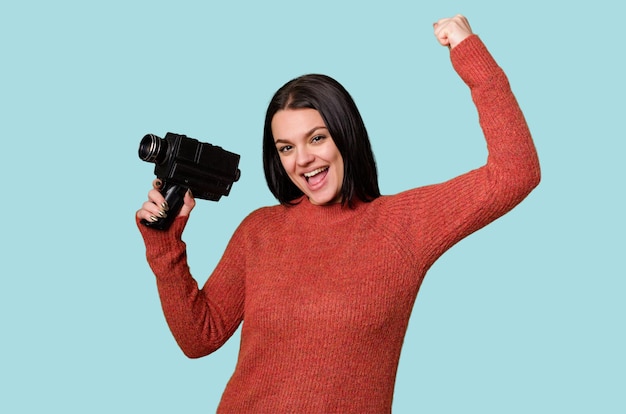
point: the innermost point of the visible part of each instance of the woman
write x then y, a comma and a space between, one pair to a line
325, 281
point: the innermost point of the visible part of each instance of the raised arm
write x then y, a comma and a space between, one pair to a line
445, 213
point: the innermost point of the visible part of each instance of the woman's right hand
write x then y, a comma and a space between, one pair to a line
156, 207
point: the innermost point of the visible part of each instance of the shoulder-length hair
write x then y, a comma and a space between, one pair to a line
345, 126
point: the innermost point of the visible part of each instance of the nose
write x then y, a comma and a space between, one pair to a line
304, 157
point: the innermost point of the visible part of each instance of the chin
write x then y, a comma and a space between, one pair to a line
323, 201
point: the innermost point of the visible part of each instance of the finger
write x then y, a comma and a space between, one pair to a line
155, 207
157, 198
151, 212
188, 204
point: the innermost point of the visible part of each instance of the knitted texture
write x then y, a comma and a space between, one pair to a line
325, 292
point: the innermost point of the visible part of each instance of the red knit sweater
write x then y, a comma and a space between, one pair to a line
325, 293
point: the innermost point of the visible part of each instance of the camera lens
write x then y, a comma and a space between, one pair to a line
152, 149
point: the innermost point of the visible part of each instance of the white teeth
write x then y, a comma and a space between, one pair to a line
314, 172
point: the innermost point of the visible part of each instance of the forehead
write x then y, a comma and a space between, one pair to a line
296, 123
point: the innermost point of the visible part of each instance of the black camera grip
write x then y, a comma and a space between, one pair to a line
174, 196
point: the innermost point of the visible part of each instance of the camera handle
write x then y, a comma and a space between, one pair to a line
174, 196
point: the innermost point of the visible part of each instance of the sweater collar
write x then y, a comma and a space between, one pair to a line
326, 213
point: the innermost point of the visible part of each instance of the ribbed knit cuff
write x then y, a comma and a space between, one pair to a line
158, 241
473, 62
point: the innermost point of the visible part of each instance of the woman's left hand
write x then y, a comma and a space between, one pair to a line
452, 30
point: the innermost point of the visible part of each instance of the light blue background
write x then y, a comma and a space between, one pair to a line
524, 316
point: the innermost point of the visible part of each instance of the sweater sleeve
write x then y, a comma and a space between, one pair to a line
445, 213
512, 165
201, 320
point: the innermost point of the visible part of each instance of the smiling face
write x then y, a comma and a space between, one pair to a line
309, 154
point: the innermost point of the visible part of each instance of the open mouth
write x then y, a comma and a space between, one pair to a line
315, 176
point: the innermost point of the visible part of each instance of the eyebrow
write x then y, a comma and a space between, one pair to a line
310, 132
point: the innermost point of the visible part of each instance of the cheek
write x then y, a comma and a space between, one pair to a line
286, 163
339, 161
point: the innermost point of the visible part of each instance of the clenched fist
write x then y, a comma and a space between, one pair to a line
452, 30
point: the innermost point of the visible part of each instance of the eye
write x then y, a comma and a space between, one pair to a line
285, 148
317, 138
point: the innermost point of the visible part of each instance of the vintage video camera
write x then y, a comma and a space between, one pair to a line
184, 163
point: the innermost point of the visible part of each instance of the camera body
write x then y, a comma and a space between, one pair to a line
184, 163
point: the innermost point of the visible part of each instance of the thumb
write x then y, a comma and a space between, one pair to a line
441, 32
188, 204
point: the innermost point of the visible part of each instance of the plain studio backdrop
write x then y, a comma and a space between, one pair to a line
526, 315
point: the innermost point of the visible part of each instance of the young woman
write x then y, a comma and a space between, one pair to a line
324, 282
